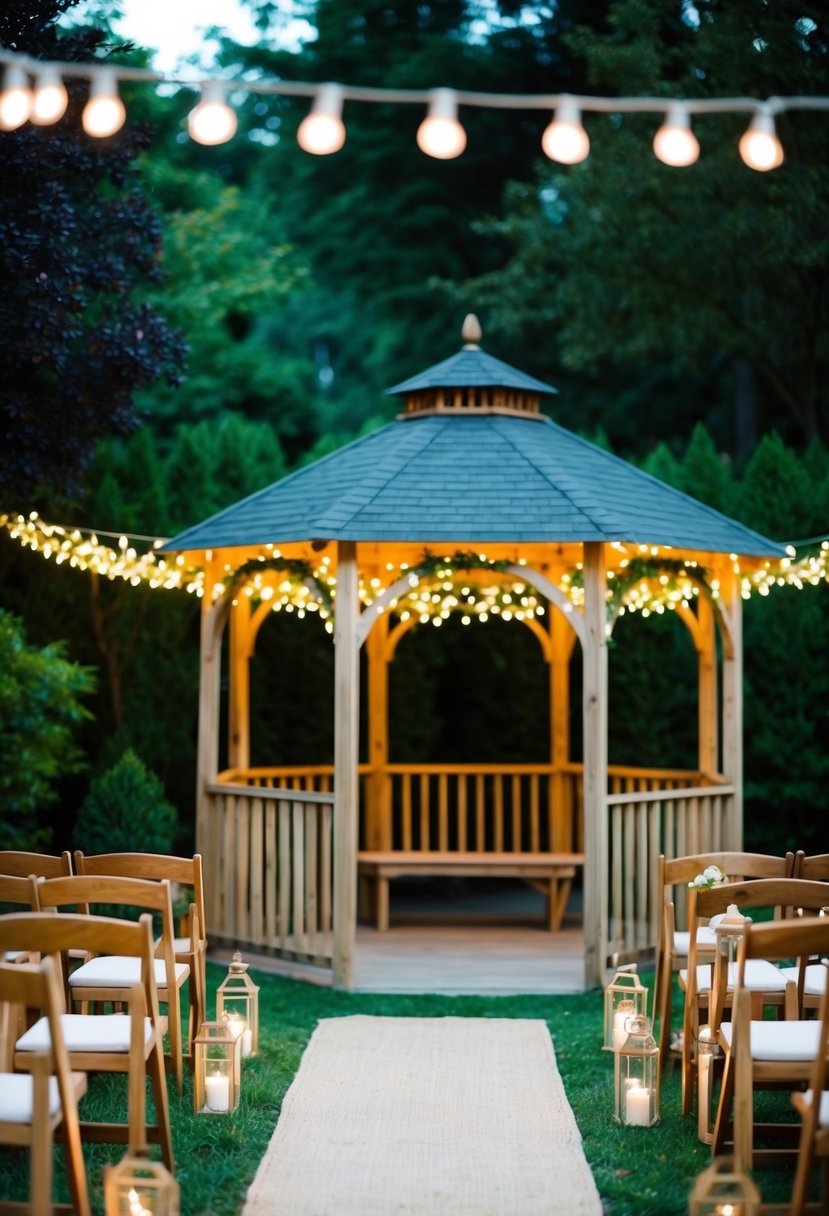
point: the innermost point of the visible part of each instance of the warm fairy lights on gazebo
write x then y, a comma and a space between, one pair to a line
33, 90
647, 580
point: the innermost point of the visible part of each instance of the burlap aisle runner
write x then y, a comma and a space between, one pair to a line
425, 1117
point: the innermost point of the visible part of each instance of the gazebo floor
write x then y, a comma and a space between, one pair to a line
479, 942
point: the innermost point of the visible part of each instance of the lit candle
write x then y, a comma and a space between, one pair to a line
217, 1092
619, 1029
247, 1042
638, 1105
235, 1025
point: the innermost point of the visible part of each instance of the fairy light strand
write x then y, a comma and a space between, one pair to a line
441, 135
646, 580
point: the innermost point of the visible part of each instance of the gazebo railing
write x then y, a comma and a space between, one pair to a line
268, 843
269, 865
643, 824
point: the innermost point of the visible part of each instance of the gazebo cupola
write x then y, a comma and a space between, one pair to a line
471, 382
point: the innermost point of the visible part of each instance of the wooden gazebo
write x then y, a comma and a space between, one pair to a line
469, 500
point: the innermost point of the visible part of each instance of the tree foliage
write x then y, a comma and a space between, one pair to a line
714, 275
76, 239
41, 709
126, 811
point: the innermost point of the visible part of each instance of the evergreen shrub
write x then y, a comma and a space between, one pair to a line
125, 811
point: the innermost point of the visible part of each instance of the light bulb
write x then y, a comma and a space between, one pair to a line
212, 121
322, 131
104, 113
50, 98
759, 147
440, 134
15, 99
674, 142
565, 139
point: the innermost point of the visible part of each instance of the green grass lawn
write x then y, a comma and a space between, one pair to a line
641, 1171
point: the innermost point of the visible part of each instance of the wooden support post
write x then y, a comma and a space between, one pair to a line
346, 757
378, 818
238, 726
708, 754
596, 828
562, 639
207, 756
733, 705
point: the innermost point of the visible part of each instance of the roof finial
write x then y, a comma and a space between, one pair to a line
471, 332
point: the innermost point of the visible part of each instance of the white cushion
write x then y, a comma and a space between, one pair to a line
760, 976
682, 940
815, 982
823, 1113
16, 1097
85, 1032
11, 956
115, 971
780, 1040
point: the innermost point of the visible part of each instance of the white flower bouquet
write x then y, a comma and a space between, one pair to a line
712, 876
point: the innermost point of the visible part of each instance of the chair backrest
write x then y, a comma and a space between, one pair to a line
14, 890
185, 871
680, 871
801, 938
813, 868
50, 935
42, 865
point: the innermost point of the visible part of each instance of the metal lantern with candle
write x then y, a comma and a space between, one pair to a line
625, 997
724, 1190
215, 1070
237, 1001
137, 1186
708, 1050
636, 1075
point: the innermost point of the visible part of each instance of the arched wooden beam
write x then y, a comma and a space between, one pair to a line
393, 592
554, 594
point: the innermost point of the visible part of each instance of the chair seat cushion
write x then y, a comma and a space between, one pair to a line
115, 971
760, 976
780, 1040
682, 940
17, 1097
85, 1032
815, 982
12, 956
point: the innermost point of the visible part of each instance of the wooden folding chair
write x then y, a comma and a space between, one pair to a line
106, 978
42, 865
672, 951
769, 1055
699, 980
185, 872
814, 1109
130, 1044
35, 1104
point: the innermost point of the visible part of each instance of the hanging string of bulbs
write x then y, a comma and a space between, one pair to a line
33, 90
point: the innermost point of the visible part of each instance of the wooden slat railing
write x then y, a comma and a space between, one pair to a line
269, 863
269, 837
642, 825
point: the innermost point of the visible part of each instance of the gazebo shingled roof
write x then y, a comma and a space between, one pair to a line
477, 477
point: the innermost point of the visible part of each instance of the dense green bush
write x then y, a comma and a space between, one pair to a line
40, 709
126, 811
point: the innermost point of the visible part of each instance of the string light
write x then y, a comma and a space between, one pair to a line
647, 583
440, 134
565, 139
675, 143
15, 99
212, 121
322, 131
759, 147
104, 112
50, 98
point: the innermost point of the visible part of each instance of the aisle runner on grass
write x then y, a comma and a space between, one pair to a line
425, 1117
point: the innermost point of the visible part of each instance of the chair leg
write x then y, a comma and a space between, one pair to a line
723, 1131
662, 1005
155, 1065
